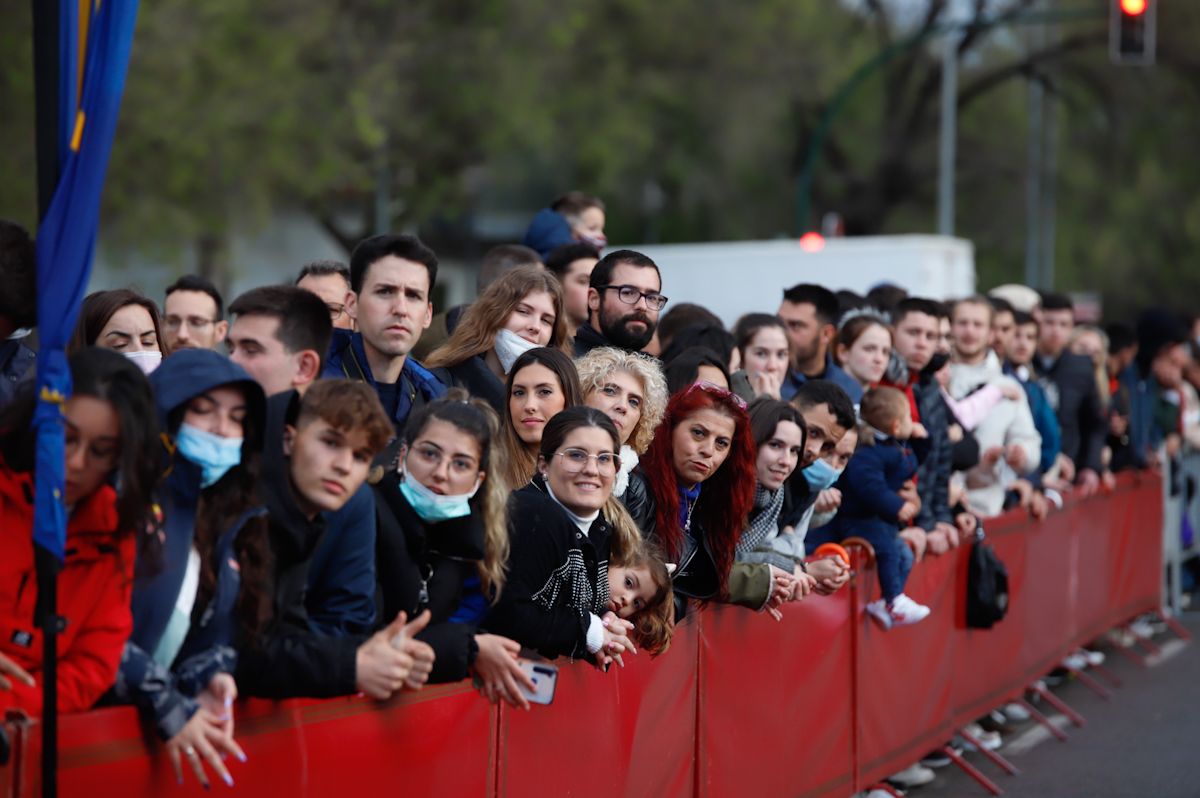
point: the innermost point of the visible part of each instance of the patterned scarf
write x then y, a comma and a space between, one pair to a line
764, 519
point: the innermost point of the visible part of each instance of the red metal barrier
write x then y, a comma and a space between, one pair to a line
775, 701
824, 703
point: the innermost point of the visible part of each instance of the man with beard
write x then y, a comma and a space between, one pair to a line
810, 313
624, 299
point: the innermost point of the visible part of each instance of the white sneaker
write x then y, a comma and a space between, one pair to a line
1016, 713
878, 610
905, 611
875, 794
1142, 628
1093, 657
914, 775
1074, 662
988, 739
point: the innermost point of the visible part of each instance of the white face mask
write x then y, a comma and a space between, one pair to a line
19, 333
147, 359
509, 346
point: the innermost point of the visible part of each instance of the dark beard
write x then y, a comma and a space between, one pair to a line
618, 333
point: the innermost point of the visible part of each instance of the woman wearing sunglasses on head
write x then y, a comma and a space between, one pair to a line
692, 494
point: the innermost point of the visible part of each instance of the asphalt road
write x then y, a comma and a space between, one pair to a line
1145, 742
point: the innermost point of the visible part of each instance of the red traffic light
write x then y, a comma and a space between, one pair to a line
1133, 8
812, 242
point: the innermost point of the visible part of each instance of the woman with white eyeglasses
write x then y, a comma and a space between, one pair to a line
554, 600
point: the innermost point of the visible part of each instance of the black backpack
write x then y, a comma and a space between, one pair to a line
987, 585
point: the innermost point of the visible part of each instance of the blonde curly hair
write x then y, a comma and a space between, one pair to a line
598, 365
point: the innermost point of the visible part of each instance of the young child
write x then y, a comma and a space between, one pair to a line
639, 591
871, 505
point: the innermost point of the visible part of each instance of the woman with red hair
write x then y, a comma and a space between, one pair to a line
692, 493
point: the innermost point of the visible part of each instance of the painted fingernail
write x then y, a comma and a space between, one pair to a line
241, 758
228, 779
179, 780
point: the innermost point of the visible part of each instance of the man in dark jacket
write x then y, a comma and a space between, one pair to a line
810, 314
915, 331
279, 335
624, 300
318, 452
18, 307
1069, 382
391, 283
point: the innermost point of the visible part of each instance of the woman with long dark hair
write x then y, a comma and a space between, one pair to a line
693, 492
122, 320
111, 439
523, 309
542, 382
210, 591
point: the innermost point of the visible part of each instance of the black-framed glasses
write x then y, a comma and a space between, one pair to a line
717, 390
630, 294
575, 460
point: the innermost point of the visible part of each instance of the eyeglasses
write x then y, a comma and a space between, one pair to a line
433, 457
192, 322
718, 391
630, 295
335, 310
575, 460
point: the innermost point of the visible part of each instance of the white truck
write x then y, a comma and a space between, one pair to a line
738, 277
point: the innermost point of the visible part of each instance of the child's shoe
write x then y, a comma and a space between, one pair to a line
902, 611
905, 611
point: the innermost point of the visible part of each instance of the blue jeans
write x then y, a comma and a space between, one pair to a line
893, 557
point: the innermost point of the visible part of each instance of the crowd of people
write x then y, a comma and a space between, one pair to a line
328, 488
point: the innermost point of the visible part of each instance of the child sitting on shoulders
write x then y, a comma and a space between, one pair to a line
872, 507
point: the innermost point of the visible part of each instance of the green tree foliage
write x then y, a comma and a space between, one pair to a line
692, 118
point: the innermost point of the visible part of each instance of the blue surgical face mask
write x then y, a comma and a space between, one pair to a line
821, 475
434, 507
215, 455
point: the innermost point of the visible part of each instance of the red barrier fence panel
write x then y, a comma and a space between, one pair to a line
438, 741
631, 731
775, 699
904, 676
823, 703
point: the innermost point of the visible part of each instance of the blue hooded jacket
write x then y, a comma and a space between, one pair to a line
167, 696
548, 231
348, 360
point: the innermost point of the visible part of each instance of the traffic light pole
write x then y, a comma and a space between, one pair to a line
816, 142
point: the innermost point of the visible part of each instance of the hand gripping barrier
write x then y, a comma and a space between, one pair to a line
823, 704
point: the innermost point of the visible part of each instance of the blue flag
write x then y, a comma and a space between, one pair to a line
66, 238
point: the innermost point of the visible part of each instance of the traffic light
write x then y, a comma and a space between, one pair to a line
1131, 31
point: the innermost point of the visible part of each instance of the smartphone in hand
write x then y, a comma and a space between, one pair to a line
544, 677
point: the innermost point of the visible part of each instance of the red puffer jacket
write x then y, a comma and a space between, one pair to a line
94, 590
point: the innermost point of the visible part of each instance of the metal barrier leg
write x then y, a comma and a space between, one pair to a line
992, 756
1045, 721
982, 780
1108, 675
1090, 683
1150, 647
1056, 702
1129, 651
1175, 626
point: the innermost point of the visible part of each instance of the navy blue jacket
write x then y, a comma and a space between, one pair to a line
548, 231
833, 373
1070, 386
871, 483
166, 696
341, 576
348, 359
